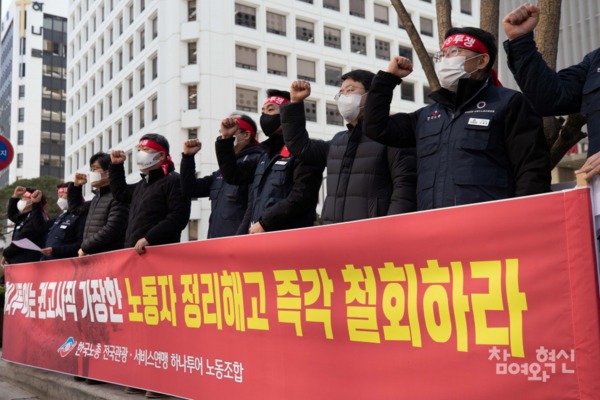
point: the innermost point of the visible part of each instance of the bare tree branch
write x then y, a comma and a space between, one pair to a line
570, 134
418, 45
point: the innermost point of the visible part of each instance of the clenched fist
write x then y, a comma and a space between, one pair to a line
400, 66
117, 156
191, 147
521, 20
299, 90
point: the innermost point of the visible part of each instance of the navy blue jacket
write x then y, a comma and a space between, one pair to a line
228, 203
481, 143
284, 191
571, 90
65, 236
365, 179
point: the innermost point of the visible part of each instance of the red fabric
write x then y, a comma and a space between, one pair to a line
369, 309
278, 100
155, 146
246, 127
284, 152
62, 190
465, 41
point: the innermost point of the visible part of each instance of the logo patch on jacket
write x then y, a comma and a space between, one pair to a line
434, 115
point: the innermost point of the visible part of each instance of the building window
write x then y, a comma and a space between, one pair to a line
142, 75
192, 97
142, 5
246, 100
21, 114
245, 16
358, 44
382, 49
19, 160
21, 70
130, 47
466, 7
332, 4
129, 156
426, 26
332, 37
120, 95
405, 52
131, 14
154, 27
192, 10
357, 8
426, 93
276, 64
276, 23
21, 91
119, 132
333, 75
333, 115
192, 53
142, 39
305, 31
141, 112
22, 46
310, 110
306, 1
21, 137
407, 91
120, 59
192, 133
193, 229
381, 14
306, 70
245, 57
130, 125
154, 67
130, 86
154, 103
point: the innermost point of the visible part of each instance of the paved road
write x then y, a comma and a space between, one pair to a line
8, 391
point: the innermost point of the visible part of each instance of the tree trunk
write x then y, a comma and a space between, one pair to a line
443, 9
415, 39
489, 16
570, 134
546, 32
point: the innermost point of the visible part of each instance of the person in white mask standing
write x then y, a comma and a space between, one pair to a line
478, 141
30, 219
365, 179
106, 217
65, 232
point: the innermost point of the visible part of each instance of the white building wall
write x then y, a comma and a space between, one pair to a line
215, 72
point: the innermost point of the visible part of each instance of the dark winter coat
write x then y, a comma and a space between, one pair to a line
481, 143
365, 179
106, 219
284, 191
228, 203
158, 209
65, 234
572, 90
27, 226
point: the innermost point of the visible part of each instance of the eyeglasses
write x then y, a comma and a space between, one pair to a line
448, 52
347, 90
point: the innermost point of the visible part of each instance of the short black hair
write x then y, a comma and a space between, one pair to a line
281, 93
360, 75
249, 120
62, 185
488, 40
102, 158
160, 139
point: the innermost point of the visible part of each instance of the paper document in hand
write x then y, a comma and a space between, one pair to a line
26, 244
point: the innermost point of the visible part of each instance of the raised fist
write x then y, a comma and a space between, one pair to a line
229, 126
191, 147
36, 196
19, 191
400, 66
521, 20
117, 156
80, 179
299, 91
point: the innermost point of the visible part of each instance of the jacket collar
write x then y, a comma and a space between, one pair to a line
467, 90
273, 144
153, 175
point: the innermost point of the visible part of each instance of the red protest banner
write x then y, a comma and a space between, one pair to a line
485, 301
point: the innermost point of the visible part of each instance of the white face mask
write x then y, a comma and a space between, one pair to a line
95, 177
349, 106
451, 69
63, 204
22, 205
146, 160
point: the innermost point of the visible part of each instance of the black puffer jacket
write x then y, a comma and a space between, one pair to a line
106, 219
365, 179
284, 191
27, 226
158, 209
228, 203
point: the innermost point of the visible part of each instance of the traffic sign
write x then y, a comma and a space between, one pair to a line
6, 152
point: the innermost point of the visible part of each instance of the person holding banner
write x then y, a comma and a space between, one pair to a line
26, 211
572, 90
106, 217
478, 142
228, 202
65, 233
284, 192
158, 209
365, 179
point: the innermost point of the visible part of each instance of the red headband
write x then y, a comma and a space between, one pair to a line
466, 42
245, 126
27, 195
62, 190
277, 100
155, 146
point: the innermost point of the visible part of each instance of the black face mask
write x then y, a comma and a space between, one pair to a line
270, 123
